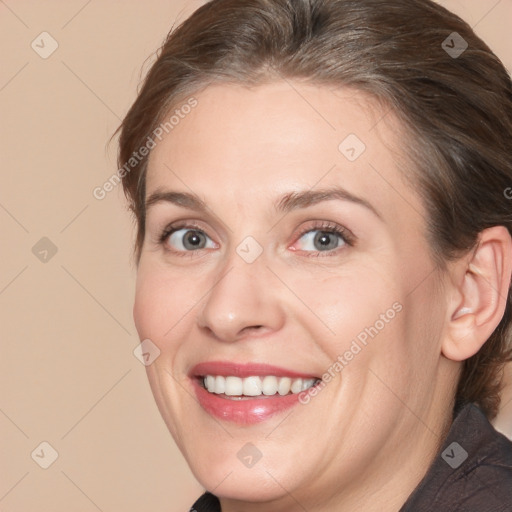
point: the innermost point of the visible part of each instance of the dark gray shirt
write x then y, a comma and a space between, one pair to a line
471, 473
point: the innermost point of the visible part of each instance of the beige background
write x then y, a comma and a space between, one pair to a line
68, 375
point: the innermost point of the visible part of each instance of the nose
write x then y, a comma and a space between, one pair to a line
243, 300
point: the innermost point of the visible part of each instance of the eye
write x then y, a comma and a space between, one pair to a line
186, 239
325, 238
316, 240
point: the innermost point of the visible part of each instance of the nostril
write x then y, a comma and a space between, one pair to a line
253, 327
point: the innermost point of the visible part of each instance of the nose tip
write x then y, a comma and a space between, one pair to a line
239, 305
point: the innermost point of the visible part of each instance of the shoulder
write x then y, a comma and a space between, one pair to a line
472, 471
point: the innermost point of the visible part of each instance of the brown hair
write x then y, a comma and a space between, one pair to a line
457, 109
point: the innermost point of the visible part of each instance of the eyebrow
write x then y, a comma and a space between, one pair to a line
288, 202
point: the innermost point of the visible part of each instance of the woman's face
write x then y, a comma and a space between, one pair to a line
282, 246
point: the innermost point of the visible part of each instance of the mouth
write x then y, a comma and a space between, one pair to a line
248, 393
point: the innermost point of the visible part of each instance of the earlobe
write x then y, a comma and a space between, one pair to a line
480, 289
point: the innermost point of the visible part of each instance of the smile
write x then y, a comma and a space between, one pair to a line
247, 393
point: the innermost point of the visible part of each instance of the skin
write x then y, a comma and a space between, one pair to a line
366, 440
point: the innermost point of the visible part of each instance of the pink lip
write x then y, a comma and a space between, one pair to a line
246, 411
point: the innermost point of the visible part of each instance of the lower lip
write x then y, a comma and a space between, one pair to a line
247, 411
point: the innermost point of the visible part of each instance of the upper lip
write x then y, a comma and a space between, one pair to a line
242, 370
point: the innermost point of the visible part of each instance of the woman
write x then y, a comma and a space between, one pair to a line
324, 254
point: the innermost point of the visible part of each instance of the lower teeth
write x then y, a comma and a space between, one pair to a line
245, 397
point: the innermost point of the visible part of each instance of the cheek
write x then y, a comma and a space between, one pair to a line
356, 305
149, 306
161, 300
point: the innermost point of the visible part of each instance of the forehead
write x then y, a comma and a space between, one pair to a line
242, 145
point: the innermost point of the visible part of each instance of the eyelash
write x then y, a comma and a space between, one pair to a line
328, 227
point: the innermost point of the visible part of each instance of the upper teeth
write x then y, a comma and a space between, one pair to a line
255, 386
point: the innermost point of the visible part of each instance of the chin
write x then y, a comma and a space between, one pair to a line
241, 484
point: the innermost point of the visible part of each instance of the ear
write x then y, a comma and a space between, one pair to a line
480, 286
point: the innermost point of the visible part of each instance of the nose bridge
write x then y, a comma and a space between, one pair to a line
241, 295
